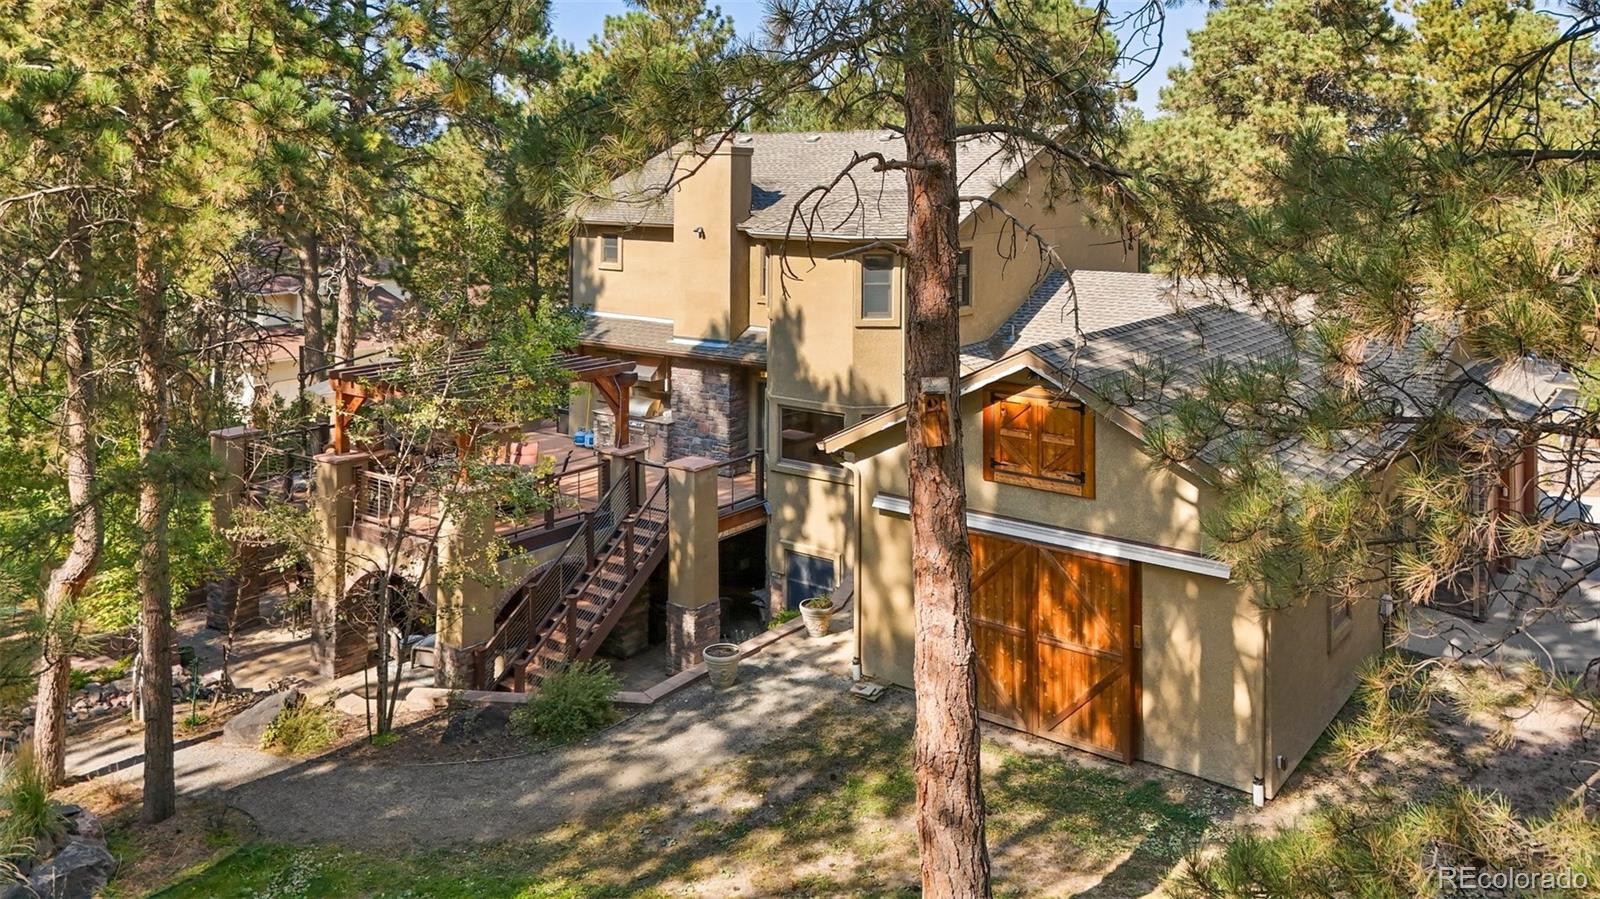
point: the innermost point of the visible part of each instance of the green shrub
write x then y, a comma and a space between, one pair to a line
26, 814
117, 670
569, 705
301, 729
782, 618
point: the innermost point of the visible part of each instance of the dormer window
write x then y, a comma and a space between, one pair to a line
877, 288
611, 251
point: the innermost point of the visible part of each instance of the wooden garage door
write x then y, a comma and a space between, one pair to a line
1055, 638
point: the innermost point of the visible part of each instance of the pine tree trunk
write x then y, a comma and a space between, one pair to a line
316, 336
68, 581
150, 522
349, 302
950, 812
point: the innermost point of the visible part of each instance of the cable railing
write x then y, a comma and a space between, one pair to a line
640, 535
280, 466
534, 599
741, 482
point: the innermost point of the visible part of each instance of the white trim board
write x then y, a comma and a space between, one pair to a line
1073, 540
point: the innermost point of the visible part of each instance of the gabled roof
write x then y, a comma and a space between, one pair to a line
784, 166
1182, 347
1066, 305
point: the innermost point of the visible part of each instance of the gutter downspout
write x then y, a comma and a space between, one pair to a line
1258, 788
855, 570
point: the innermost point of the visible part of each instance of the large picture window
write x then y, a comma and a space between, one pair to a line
799, 431
1036, 439
877, 288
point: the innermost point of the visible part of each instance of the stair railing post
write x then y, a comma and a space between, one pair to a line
627, 543
555, 500
588, 540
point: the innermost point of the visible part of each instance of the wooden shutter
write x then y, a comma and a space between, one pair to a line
1036, 440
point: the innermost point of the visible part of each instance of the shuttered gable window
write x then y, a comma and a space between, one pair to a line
1038, 440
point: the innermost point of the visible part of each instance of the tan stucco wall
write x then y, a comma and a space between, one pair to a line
1006, 264
645, 283
1311, 676
1201, 662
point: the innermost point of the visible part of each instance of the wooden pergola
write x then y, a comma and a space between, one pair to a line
354, 385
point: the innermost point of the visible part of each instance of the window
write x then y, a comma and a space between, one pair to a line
761, 261
877, 287
800, 429
1037, 439
964, 280
611, 251
804, 577
1340, 619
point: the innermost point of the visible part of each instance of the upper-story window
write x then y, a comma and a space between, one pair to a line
1036, 439
964, 280
877, 287
761, 277
798, 433
611, 251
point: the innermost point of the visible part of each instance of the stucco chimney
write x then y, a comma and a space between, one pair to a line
711, 254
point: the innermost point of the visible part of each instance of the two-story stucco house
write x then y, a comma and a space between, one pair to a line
763, 319
764, 322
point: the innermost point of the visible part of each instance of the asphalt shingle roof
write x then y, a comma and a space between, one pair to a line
784, 166
655, 338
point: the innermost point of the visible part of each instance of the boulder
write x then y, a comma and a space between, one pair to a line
83, 823
79, 871
246, 728
354, 705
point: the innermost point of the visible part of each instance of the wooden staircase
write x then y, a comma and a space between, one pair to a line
563, 610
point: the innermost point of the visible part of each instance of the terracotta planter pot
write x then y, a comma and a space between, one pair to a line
817, 620
722, 663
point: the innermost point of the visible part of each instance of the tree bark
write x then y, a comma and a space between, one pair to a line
315, 354
150, 522
950, 809
349, 306
68, 581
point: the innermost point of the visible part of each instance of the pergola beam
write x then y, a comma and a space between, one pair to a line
353, 385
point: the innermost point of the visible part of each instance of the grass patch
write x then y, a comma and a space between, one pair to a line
303, 729
80, 678
1393, 851
826, 809
780, 618
26, 815
570, 705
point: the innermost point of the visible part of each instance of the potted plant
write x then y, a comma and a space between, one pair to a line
818, 614
722, 663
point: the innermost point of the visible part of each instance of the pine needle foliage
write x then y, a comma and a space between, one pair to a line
1388, 852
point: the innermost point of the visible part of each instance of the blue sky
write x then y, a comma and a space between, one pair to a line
577, 20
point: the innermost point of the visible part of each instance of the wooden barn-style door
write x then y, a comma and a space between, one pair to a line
1057, 648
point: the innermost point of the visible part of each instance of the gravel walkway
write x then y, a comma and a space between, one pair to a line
366, 803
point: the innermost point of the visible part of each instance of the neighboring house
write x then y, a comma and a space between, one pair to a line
757, 328
273, 367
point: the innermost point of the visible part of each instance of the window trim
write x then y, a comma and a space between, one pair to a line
1041, 396
895, 275
600, 252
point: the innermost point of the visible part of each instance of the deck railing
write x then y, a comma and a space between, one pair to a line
572, 493
280, 466
741, 482
379, 496
532, 601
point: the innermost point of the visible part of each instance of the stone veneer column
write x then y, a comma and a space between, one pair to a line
694, 609
338, 647
234, 599
710, 410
